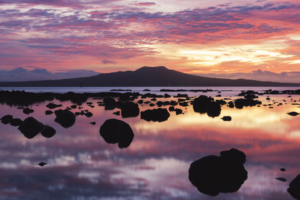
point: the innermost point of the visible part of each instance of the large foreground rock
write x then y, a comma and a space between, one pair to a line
30, 127
294, 188
116, 131
65, 118
160, 115
219, 174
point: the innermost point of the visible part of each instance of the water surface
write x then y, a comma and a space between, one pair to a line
81, 165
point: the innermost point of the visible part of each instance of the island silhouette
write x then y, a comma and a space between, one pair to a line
144, 76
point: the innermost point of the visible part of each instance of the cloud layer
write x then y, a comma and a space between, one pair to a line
22, 74
259, 75
194, 38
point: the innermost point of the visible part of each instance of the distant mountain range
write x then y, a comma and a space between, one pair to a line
145, 76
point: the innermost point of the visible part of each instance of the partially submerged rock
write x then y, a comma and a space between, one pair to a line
6, 119
116, 131
294, 188
48, 112
218, 174
65, 118
281, 179
27, 111
48, 131
293, 113
160, 115
117, 113
30, 127
53, 105
88, 114
130, 109
16, 122
226, 118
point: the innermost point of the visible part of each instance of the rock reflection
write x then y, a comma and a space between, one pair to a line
116, 131
219, 174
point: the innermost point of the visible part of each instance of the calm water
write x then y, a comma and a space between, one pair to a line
81, 165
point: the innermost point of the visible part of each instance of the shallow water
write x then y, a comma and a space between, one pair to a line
81, 165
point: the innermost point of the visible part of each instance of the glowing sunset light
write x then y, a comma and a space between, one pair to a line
188, 36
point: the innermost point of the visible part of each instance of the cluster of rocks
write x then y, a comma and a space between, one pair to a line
204, 104
182, 90
30, 127
8, 119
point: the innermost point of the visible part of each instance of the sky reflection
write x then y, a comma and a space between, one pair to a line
81, 165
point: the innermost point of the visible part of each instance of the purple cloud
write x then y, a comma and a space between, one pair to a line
105, 61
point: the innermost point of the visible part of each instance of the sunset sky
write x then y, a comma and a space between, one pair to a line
191, 36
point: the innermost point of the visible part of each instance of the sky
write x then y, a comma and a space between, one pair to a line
221, 38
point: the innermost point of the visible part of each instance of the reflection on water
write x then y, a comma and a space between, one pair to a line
155, 164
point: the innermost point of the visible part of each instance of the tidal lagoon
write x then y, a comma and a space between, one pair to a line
154, 161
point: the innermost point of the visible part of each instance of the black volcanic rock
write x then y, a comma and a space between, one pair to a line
236, 153
88, 114
48, 112
240, 103
178, 111
145, 76
116, 131
30, 127
52, 105
281, 179
6, 119
293, 113
294, 188
16, 122
213, 109
27, 111
282, 169
230, 104
184, 104
73, 106
200, 103
171, 108
130, 109
109, 103
48, 131
117, 113
217, 174
65, 118
160, 115
226, 118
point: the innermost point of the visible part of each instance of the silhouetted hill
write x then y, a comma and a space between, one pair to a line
145, 76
